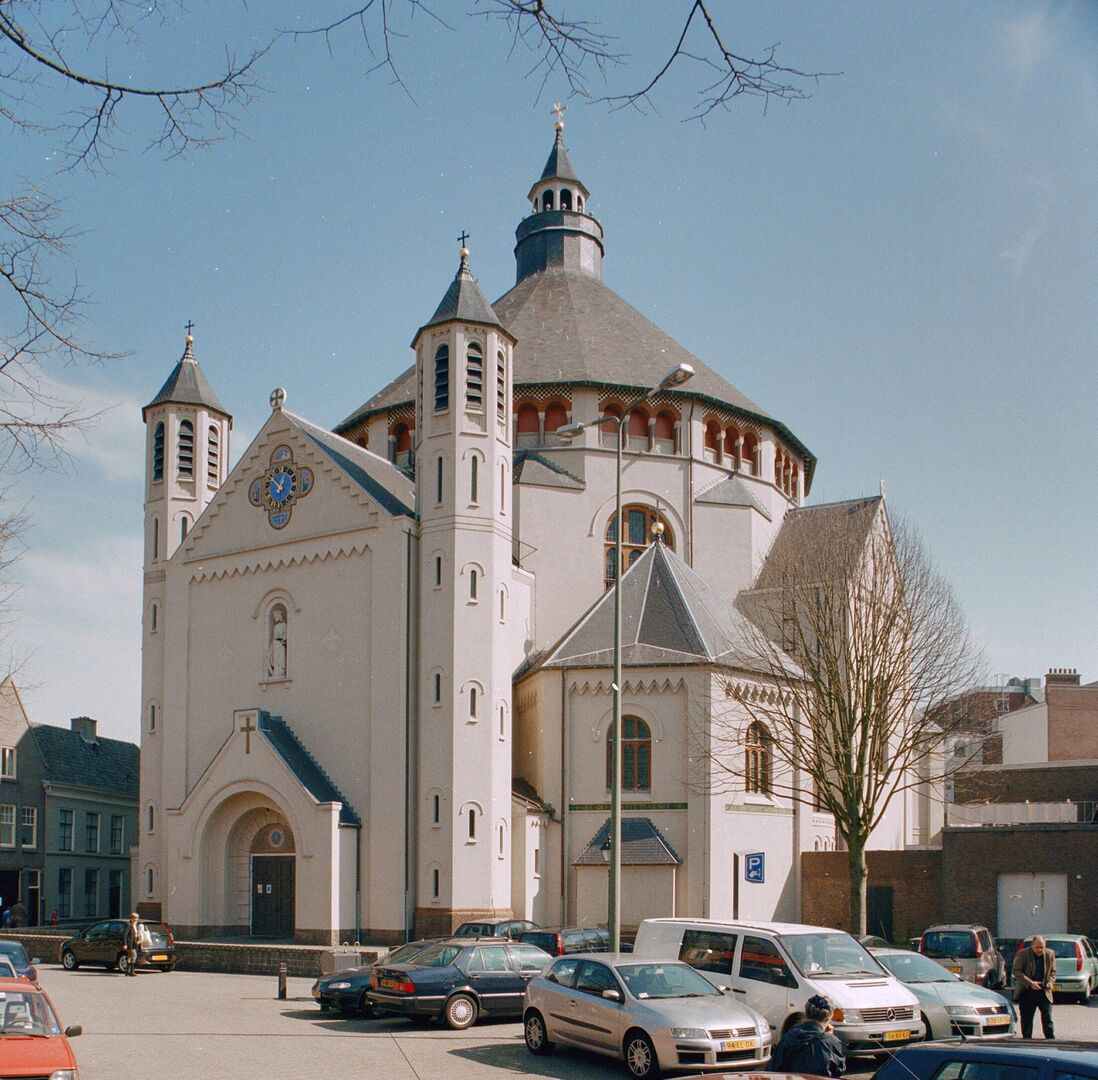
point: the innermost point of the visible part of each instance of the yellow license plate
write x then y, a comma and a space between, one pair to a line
738, 1044
897, 1036
953, 967
390, 984
158, 957
997, 1020
316, 994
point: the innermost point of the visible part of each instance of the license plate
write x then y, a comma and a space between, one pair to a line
389, 984
316, 994
997, 1020
738, 1044
897, 1036
158, 957
954, 968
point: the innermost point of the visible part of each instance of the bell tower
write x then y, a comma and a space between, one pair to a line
463, 497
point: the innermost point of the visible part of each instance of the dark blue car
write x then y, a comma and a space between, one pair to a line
15, 952
346, 990
459, 980
1006, 1060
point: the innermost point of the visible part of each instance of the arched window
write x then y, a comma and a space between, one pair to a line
503, 722
158, 451
438, 571
779, 466
794, 481
151, 818
150, 881
436, 810
757, 759
154, 618
502, 605
472, 584
527, 426
712, 440
556, 416
579, 203
502, 488
156, 538
636, 754
638, 430
472, 702
442, 378
639, 521
184, 525
434, 884
731, 437
402, 445
438, 688
501, 386
185, 449
547, 201
438, 481
472, 824
610, 431
213, 455
501, 839
664, 433
566, 200
474, 377
750, 463
152, 717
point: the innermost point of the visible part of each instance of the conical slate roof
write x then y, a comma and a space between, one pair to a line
559, 167
670, 615
187, 385
463, 302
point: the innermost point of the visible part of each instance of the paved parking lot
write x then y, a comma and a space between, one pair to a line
187, 1024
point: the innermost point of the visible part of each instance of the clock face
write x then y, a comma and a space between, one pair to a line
281, 484
280, 487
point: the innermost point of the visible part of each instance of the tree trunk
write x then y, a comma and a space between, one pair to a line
855, 861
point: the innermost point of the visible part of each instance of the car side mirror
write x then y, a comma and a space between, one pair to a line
73, 1030
612, 995
725, 989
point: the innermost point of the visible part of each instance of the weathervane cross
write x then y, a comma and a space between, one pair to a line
190, 327
559, 109
463, 237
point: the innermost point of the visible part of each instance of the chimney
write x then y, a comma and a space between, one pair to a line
85, 725
1062, 676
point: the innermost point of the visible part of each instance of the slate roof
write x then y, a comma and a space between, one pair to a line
733, 491
642, 844
532, 467
304, 766
670, 615
187, 385
797, 551
558, 167
108, 765
463, 302
387, 485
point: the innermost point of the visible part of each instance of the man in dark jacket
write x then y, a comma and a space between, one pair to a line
811, 1047
1034, 981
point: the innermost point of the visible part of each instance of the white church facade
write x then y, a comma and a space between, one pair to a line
376, 681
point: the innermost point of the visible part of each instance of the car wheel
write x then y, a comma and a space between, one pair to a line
460, 1012
640, 1056
534, 1030
123, 964
69, 961
365, 1005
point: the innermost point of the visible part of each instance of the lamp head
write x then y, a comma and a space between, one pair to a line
570, 431
677, 376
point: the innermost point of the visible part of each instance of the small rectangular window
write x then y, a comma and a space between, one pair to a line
438, 688
473, 479
64, 893
434, 884
91, 833
152, 717
91, 893
28, 827
438, 482
64, 830
438, 571
7, 826
152, 819
118, 833
7, 763
436, 808
472, 824
472, 584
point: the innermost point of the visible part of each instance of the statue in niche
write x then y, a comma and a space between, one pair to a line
276, 649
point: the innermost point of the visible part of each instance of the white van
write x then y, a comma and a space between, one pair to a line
777, 967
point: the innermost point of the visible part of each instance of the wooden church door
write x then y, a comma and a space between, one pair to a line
273, 896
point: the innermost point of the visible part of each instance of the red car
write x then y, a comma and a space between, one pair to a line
32, 1042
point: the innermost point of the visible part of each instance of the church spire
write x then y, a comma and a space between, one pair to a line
187, 384
464, 301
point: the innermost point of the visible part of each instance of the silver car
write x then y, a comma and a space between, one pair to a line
950, 1005
654, 1014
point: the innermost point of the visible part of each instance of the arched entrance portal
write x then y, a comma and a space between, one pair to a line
273, 881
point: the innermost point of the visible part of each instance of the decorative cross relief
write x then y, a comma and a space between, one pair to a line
281, 486
248, 729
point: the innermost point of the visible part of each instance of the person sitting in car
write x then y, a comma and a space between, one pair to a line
811, 1046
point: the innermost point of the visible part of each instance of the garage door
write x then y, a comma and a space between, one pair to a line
1032, 904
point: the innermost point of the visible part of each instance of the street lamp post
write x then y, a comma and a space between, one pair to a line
675, 377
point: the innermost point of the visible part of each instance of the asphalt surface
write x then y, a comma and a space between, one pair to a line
188, 1025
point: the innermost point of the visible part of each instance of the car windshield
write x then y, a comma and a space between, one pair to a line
1064, 950
473, 930
543, 939
646, 981
910, 967
14, 952
829, 954
406, 952
26, 1012
949, 944
437, 956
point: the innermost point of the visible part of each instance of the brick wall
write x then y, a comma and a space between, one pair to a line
1039, 784
913, 875
972, 860
1072, 722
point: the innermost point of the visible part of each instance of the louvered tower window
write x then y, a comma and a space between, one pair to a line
442, 378
474, 377
185, 455
213, 455
158, 452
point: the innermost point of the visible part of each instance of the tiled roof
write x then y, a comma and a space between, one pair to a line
187, 385
733, 491
558, 166
102, 765
304, 766
463, 302
532, 467
642, 844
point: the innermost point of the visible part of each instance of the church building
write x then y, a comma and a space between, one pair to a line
377, 660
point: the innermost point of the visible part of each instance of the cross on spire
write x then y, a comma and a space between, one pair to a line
463, 237
559, 109
190, 327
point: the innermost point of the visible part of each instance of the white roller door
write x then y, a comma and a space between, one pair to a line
1032, 904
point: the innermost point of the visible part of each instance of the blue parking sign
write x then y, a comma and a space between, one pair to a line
754, 867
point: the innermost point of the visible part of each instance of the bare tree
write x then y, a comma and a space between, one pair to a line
856, 643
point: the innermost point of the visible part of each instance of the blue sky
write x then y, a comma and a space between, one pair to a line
901, 268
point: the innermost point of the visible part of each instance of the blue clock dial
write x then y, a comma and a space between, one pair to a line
280, 486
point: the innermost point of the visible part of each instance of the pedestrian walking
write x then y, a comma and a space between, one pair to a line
1034, 982
18, 914
132, 939
812, 1046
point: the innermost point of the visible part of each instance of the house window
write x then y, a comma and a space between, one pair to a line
28, 827
118, 833
7, 763
151, 817
64, 893
64, 830
213, 455
91, 892
436, 809
442, 378
636, 755
158, 451
757, 759
114, 894
7, 826
473, 477
472, 825
474, 377
91, 832
185, 449
639, 523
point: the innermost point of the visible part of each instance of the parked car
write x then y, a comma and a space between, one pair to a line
32, 1042
104, 943
654, 1014
7, 969
557, 941
508, 928
872, 941
346, 990
458, 980
1012, 1060
17, 955
777, 967
1076, 964
966, 950
950, 1006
